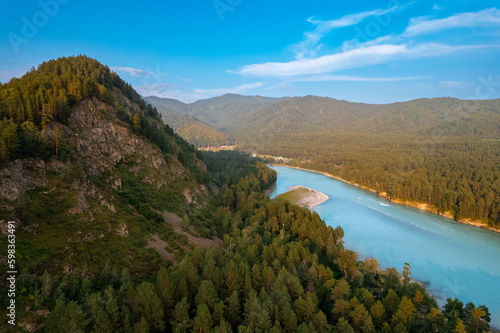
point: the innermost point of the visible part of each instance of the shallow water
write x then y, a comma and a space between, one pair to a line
456, 260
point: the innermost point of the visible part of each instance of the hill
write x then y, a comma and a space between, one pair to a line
187, 126
87, 169
440, 153
121, 226
216, 111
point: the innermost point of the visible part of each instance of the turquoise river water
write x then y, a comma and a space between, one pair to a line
455, 260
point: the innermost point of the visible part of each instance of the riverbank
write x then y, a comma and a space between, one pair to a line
418, 205
304, 196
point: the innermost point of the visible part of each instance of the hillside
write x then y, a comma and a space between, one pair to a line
88, 169
188, 127
120, 227
439, 153
217, 111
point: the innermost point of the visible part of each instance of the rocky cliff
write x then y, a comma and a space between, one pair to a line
108, 193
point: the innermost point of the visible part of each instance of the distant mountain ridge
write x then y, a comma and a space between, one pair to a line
441, 152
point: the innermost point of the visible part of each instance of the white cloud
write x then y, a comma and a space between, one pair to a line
235, 90
165, 91
455, 84
360, 57
319, 78
131, 71
483, 18
187, 80
309, 47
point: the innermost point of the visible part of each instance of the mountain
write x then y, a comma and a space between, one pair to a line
216, 111
120, 225
440, 153
312, 114
89, 170
187, 126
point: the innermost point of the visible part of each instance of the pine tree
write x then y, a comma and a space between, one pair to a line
137, 121
142, 326
203, 322
377, 311
233, 308
207, 294
180, 317
460, 327
343, 326
288, 318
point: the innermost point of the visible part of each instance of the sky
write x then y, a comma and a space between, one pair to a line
360, 51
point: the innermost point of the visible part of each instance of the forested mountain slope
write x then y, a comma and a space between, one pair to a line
87, 170
188, 127
442, 152
217, 111
120, 227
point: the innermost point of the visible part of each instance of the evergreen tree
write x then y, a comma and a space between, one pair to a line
203, 322
181, 321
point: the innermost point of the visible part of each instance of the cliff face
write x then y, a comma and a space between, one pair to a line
86, 189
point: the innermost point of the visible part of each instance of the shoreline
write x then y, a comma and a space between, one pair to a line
315, 198
418, 205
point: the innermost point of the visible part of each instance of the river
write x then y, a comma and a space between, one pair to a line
456, 260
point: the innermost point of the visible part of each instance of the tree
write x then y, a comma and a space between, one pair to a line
343, 327
288, 318
66, 318
477, 314
142, 326
180, 317
148, 304
434, 315
377, 311
405, 312
203, 321
166, 289
341, 308
460, 327
58, 139
8, 139
347, 264
341, 290
391, 302
224, 327
207, 294
136, 120
406, 274
321, 323
233, 308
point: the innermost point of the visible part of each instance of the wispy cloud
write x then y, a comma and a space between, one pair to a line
165, 91
425, 25
153, 89
235, 90
132, 71
320, 78
309, 46
455, 84
361, 57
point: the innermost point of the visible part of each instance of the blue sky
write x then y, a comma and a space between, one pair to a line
363, 51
